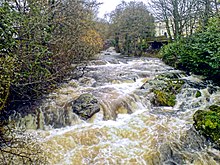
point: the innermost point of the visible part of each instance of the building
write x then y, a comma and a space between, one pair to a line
160, 29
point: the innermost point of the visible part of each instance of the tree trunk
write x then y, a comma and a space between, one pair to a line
176, 19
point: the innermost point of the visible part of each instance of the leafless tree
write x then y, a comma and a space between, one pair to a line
181, 16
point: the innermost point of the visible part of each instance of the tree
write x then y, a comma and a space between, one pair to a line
103, 28
131, 23
7, 59
41, 40
181, 16
176, 14
209, 9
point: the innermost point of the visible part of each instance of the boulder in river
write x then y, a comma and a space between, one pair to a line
173, 153
165, 87
207, 122
162, 98
86, 105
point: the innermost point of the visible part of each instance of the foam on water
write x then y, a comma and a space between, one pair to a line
138, 133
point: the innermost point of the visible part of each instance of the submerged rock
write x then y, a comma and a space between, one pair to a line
86, 105
170, 155
173, 153
207, 122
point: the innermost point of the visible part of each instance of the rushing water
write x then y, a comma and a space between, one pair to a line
129, 130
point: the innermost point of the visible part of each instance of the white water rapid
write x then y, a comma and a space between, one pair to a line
129, 129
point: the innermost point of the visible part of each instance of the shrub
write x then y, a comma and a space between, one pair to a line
39, 45
199, 53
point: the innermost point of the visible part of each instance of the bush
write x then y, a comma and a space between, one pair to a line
171, 53
39, 45
7, 60
199, 53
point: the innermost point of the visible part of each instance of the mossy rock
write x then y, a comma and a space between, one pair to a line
85, 106
208, 123
165, 88
174, 86
162, 98
170, 76
198, 94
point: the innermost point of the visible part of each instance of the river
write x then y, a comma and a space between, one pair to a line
129, 129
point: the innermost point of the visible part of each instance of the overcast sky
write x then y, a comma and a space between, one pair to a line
109, 5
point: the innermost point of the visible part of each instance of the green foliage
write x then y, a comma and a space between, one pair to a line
131, 24
39, 44
7, 31
32, 65
6, 78
208, 122
199, 53
7, 44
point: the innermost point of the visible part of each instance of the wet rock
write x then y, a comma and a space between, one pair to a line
98, 62
86, 105
165, 87
28, 117
171, 75
43, 117
173, 153
73, 84
207, 122
154, 84
212, 90
197, 85
107, 53
162, 98
170, 155
59, 116
192, 141
86, 81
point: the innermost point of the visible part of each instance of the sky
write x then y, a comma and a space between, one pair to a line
109, 5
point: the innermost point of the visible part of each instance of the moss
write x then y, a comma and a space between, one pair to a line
164, 99
166, 86
208, 123
198, 94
